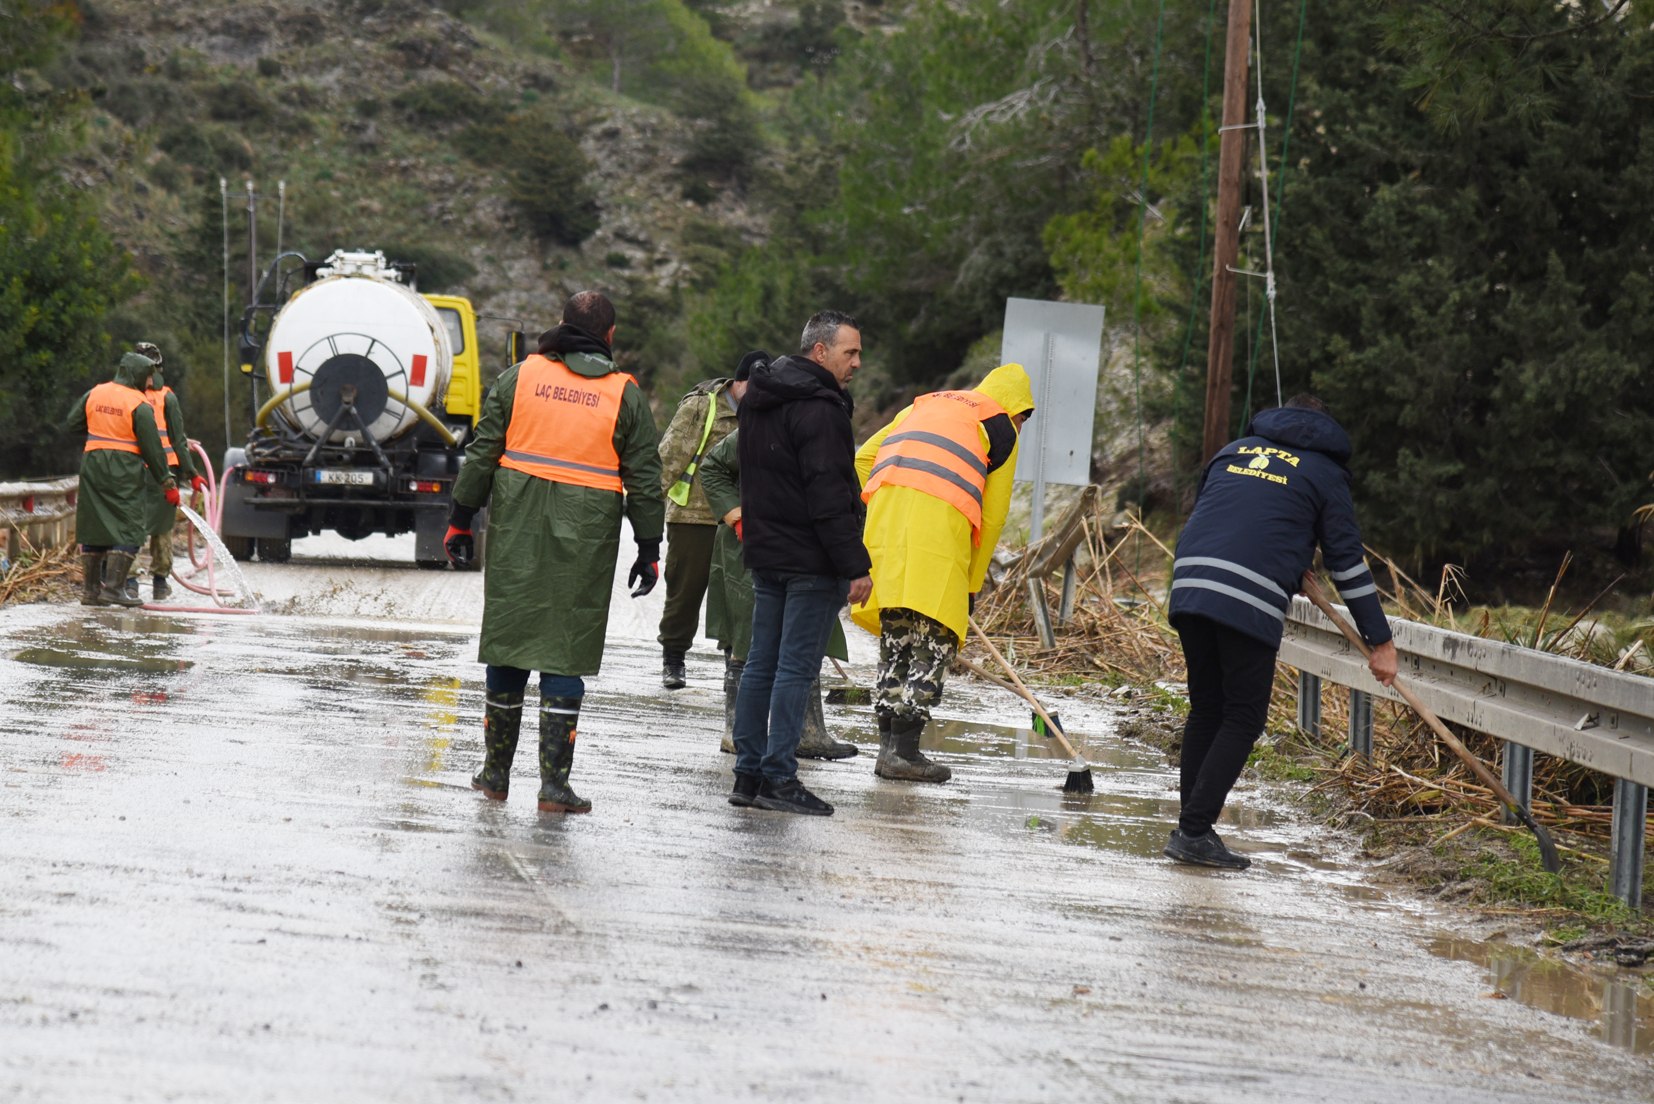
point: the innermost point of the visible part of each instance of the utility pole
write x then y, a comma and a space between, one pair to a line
1220, 349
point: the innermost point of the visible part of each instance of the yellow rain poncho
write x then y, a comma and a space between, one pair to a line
923, 558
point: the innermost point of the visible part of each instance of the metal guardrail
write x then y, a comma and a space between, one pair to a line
1534, 701
42, 511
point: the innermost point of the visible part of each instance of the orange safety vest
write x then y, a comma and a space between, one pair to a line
158, 401
109, 417
938, 450
563, 425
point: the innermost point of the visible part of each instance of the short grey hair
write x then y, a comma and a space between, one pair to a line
822, 329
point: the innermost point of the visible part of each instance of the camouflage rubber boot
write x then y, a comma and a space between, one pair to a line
732, 689
502, 721
558, 719
91, 571
116, 567
815, 743
900, 758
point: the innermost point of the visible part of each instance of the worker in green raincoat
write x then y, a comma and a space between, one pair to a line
565, 446
729, 605
122, 444
163, 515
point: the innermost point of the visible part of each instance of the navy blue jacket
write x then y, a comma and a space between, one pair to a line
1264, 503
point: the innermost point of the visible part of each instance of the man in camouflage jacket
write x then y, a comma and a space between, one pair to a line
690, 522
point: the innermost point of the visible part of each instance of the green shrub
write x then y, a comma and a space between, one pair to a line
237, 101
446, 102
544, 170
269, 67
616, 259
207, 146
438, 269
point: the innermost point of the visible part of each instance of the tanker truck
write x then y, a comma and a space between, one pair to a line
372, 392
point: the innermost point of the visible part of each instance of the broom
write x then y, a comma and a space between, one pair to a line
1547, 847
1079, 772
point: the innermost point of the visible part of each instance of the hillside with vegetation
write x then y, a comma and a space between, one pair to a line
1458, 205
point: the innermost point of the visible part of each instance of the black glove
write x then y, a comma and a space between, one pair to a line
645, 571
461, 547
970, 603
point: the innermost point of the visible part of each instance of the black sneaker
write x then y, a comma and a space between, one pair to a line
1203, 850
746, 788
790, 797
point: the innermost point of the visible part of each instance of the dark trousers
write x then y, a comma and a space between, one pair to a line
792, 619
1230, 679
511, 680
688, 566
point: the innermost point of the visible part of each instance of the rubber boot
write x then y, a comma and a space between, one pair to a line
161, 588
899, 755
671, 671
116, 566
559, 718
814, 742
502, 721
732, 688
91, 571
131, 588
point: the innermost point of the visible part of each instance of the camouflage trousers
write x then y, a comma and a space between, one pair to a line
915, 653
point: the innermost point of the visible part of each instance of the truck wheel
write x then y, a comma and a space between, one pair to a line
271, 550
241, 548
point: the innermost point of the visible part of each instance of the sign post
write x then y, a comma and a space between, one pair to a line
1059, 344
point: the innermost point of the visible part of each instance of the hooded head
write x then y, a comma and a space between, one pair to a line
134, 370
1008, 385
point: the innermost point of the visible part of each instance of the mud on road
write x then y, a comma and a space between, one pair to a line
240, 859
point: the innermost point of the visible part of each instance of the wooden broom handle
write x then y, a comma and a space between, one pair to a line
1051, 726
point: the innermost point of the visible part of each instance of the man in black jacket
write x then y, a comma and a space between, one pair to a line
1264, 503
801, 520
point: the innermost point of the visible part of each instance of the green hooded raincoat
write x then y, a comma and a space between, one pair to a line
163, 515
111, 505
552, 546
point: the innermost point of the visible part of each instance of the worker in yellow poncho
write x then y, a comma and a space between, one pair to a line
937, 483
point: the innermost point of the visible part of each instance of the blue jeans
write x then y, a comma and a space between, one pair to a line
792, 619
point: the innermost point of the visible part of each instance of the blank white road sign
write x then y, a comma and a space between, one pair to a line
1059, 344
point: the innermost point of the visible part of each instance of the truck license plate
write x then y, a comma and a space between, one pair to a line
347, 478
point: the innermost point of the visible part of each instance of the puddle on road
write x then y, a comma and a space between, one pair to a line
54, 657
1615, 999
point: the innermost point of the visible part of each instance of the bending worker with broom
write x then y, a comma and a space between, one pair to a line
937, 483
1263, 504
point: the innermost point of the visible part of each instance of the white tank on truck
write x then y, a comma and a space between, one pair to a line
370, 391
358, 327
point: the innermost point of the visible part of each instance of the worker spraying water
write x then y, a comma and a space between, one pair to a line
123, 442
175, 442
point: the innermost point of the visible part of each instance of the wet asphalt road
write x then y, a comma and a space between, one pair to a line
240, 860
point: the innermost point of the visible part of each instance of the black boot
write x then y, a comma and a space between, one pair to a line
899, 755
115, 568
1205, 849
559, 718
91, 573
732, 688
814, 742
161, 588
671, 675
502, 721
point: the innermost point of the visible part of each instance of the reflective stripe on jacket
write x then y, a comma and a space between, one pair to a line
563, 425
158, 402
109, 408
938, 450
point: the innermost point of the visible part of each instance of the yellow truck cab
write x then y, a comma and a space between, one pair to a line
465, 381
